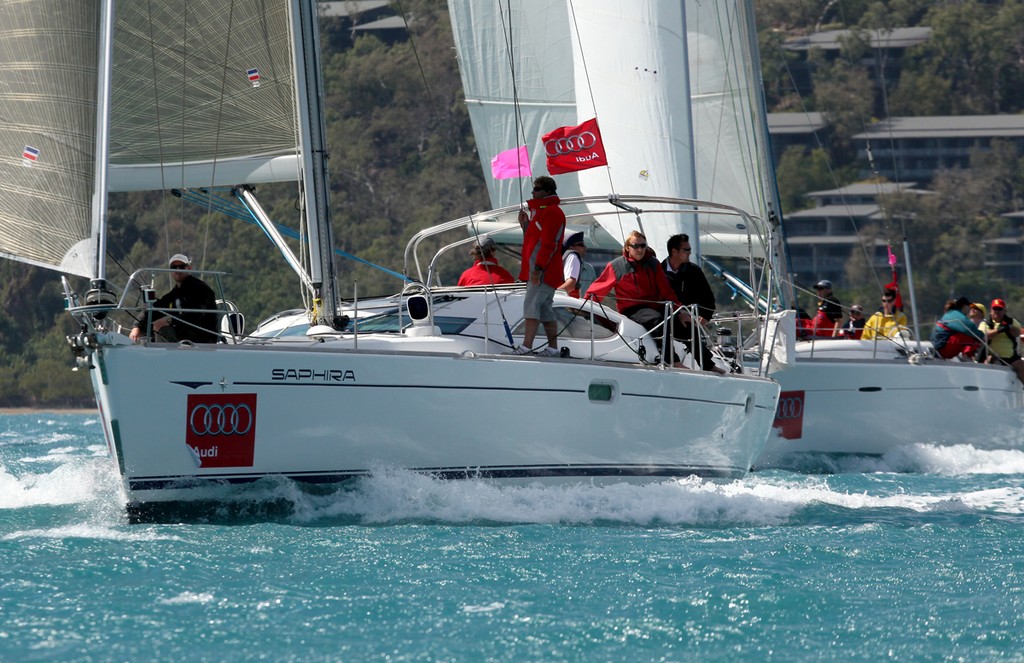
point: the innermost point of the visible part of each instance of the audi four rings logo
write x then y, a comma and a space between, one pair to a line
220, 420
790, 407
569, 144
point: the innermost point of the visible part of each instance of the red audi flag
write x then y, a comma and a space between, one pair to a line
570, 149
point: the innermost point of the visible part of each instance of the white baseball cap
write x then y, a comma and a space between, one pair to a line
179, 257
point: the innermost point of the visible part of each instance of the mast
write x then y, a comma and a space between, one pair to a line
313, 148
98, 291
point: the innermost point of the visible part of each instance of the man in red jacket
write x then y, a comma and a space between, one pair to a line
543, 227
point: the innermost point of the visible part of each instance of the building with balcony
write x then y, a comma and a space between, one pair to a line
822, 239
915, 148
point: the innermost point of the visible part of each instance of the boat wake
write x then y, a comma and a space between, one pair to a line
921, 458
873, 489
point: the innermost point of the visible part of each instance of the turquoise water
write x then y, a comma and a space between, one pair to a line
916, 556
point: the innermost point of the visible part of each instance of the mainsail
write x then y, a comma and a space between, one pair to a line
202, 94
48, 60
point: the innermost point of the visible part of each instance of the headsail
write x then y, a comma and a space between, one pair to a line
48, 56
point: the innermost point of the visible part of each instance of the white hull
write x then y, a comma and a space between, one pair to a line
323, 412
837, 403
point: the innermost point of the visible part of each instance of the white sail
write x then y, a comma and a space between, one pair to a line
675, 87
202, 94
631, 73
48, 60
729, 130
532, 63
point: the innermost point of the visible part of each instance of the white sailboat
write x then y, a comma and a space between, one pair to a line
423, 383
707, 137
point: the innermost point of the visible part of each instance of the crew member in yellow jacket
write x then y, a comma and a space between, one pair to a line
887, 323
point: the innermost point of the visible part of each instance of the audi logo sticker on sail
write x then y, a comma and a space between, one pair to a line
791, 407
569, 144
220, 420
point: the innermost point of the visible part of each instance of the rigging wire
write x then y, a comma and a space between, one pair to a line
832, 174
423, 75
517, 111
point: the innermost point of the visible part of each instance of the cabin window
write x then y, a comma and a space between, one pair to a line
601, 392
575, 323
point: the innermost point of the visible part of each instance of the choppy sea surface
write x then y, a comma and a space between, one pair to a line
915, 556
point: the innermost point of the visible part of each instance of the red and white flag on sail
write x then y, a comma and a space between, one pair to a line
569, 149
511, 163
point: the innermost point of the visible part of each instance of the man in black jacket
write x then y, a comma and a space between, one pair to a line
188, 293
691, 287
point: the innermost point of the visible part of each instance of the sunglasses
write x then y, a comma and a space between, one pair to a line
887, 300
997, 308
638, 246
178, 265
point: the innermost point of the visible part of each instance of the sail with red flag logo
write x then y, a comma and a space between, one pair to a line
570, 149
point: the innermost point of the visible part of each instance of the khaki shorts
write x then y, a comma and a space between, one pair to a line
538, 302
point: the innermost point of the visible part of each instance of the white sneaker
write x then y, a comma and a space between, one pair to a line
548, 351
521, 350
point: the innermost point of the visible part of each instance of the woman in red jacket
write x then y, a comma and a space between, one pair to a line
640, 285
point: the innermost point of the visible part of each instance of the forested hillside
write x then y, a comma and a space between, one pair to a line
402, 158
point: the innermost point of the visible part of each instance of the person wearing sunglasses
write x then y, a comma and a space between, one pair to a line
692, 289
641, 288
829, 316
543, 225
192, 297
1003, 335
887, 322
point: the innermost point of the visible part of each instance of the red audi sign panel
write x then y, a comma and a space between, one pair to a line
789, 416
220, 429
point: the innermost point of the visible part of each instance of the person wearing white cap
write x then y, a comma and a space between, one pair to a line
191, 297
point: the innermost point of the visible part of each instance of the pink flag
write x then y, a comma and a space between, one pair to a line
511, 163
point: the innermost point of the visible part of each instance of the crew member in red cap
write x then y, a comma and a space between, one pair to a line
1002, 334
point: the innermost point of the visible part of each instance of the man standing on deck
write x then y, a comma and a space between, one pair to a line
543, 227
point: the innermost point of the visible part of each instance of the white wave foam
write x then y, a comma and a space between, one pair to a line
392, 495
919, 458
77, 480
188, 598
92, 531
955, 460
